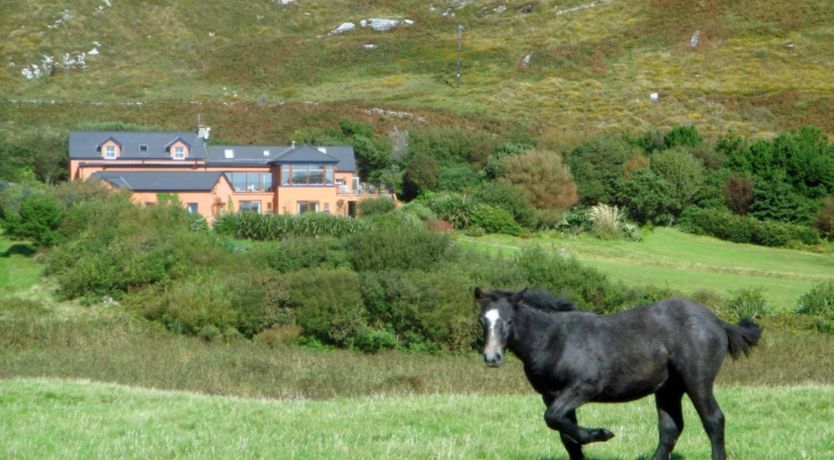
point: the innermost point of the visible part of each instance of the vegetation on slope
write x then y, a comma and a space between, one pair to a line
756, 66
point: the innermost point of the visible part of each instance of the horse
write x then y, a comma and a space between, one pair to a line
669, 348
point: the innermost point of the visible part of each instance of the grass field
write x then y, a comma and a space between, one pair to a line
76, 419
686, 263
18, 270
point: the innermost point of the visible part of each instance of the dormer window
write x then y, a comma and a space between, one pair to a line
110, 149
178, 149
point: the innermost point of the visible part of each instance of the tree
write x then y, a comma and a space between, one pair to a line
420, 175
684, 172
545, 180
597, 166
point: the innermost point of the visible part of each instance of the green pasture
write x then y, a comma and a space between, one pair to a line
686, 263
77, 419
18, 270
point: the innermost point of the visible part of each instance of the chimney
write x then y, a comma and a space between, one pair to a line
203, 132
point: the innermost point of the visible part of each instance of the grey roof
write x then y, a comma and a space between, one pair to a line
84, 144
252, 155
161, 181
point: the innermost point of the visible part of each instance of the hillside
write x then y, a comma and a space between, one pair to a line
556, 68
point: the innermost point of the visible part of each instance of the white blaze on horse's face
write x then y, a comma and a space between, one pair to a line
494, 349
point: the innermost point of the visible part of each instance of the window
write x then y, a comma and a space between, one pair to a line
143, 147
192, 208
250, 181
250, 206
327, 208
110, 152
307, 174
228, 154
179, 152
308, 206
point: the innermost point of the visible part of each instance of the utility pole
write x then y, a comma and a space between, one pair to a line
460, 51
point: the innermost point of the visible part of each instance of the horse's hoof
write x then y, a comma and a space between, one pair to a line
602, 435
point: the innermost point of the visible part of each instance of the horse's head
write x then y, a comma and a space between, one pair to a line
497, 311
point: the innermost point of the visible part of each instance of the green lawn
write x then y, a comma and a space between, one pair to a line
686, 263
76, 419
18, 270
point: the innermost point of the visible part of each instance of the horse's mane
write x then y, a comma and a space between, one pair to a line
542, 300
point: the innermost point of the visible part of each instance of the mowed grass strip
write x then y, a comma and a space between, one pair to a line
687, 263
77, 419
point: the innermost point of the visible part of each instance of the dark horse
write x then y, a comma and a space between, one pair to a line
571, 357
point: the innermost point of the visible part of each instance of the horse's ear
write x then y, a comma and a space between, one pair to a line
479, 294
517, 297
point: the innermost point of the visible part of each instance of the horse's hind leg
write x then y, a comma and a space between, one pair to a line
712, 418
670, 419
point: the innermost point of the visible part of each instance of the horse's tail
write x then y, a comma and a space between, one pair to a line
742, 337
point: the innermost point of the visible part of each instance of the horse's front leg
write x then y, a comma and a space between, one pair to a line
574, 448
561, 416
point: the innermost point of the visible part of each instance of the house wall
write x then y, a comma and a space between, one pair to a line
288, 198
209, 204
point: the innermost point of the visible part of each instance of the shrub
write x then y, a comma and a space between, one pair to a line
494, 220
265, 227
457, 178
684, 172
395, 246
748, 303
36, 220
510, 198
373, 206
452, 207
682, 135
824, 220
648, 197
597, 167
721, 223
545, 180
373, 340
327, 303
738, 192
575, 220
819, 301
295, 253
606, 221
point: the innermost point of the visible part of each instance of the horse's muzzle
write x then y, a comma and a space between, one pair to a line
493, 359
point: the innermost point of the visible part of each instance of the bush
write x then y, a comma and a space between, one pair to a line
328, 304
606, 222
493, 219
266, 227
395, 246
723, 224
597, 167
543, 177
452, 207
824, 220
295, 253
510, 198
373, 206
819, 301
373, 340
747, 303
648, 197
36, 220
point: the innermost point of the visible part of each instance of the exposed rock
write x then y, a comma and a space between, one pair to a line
369, 46
384, 24
526, 60
582, 7
693, 40
343, 27
654, 97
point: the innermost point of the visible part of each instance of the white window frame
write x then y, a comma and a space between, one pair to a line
179, 152
193, 208
109, 152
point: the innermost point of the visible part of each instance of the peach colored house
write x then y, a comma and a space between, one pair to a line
211, 179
